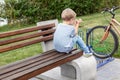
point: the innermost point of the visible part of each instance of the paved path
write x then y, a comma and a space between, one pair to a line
110, 71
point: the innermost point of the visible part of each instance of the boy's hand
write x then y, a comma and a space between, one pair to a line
78, 21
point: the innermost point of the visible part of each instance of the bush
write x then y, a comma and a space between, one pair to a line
33, 11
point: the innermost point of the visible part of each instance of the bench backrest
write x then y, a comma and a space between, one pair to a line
20, 38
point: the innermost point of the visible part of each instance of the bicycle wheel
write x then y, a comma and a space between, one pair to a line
105, 49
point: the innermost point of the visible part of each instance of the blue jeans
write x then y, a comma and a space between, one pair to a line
78, 40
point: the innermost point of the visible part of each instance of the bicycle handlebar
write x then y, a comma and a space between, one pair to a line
111, 11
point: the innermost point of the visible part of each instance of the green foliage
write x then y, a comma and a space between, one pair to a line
33, 11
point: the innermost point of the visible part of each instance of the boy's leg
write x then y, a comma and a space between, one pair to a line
78, 40
82, 45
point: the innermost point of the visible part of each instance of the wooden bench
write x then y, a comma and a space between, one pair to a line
32, 66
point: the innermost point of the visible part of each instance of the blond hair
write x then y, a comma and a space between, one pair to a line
68, 14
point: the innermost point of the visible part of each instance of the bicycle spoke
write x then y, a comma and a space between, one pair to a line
104, 48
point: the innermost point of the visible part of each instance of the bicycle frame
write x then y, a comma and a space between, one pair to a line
114, 23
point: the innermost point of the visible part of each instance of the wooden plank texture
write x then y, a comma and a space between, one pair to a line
7, 68
26, 30
25, 37
42, 66
30, 64
23, 44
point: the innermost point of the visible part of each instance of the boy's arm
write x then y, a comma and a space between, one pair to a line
77, 23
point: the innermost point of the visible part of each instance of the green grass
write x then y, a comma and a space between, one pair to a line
89, 21
18, 54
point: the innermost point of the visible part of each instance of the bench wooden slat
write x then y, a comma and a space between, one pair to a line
2, 68
20, 45
25, 37
29, 73
22, 63
16, 32
39, 62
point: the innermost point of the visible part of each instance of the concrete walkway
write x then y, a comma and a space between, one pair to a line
110, 71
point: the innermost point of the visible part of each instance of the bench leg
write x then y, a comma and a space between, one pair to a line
46, 46
80, 69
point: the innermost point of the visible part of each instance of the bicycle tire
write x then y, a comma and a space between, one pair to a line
105, 49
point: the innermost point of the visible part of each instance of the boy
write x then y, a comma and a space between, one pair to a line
66, 36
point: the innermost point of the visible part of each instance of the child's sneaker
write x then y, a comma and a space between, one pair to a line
87, 54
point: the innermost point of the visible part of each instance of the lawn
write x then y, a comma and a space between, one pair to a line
89, 21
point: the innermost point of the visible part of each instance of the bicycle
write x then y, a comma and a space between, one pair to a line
102, 40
